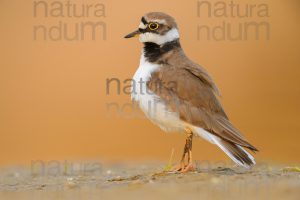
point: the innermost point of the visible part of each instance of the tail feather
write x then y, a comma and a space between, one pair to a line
233, 135
237, 153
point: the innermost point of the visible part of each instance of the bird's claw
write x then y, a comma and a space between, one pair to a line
183, 168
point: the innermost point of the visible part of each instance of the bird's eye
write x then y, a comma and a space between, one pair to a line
153, 26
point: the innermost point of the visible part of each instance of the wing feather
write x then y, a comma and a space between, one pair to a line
191, 92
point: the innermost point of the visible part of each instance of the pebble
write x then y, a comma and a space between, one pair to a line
215, 180
71, 183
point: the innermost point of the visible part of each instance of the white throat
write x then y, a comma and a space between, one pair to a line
142, 76
171, 35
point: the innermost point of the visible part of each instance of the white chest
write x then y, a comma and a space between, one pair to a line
139, 91
150, 103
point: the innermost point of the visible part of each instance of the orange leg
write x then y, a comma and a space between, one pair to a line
187, 150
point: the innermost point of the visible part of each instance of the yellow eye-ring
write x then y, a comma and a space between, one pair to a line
153, 26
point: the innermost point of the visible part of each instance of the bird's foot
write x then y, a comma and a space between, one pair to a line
177, 168
188, 168
183, 168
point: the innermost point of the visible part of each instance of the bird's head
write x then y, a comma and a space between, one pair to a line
156, 27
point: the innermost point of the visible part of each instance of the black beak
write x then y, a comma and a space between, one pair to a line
133, 34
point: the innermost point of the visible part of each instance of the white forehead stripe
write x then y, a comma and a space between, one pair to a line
142, 26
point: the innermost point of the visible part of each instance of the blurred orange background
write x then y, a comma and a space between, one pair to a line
53, 93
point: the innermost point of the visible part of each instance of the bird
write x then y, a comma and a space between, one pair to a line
179, 95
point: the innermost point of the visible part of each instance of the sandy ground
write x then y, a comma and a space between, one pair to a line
148, 181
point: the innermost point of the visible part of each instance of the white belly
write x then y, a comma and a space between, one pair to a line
150, 103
